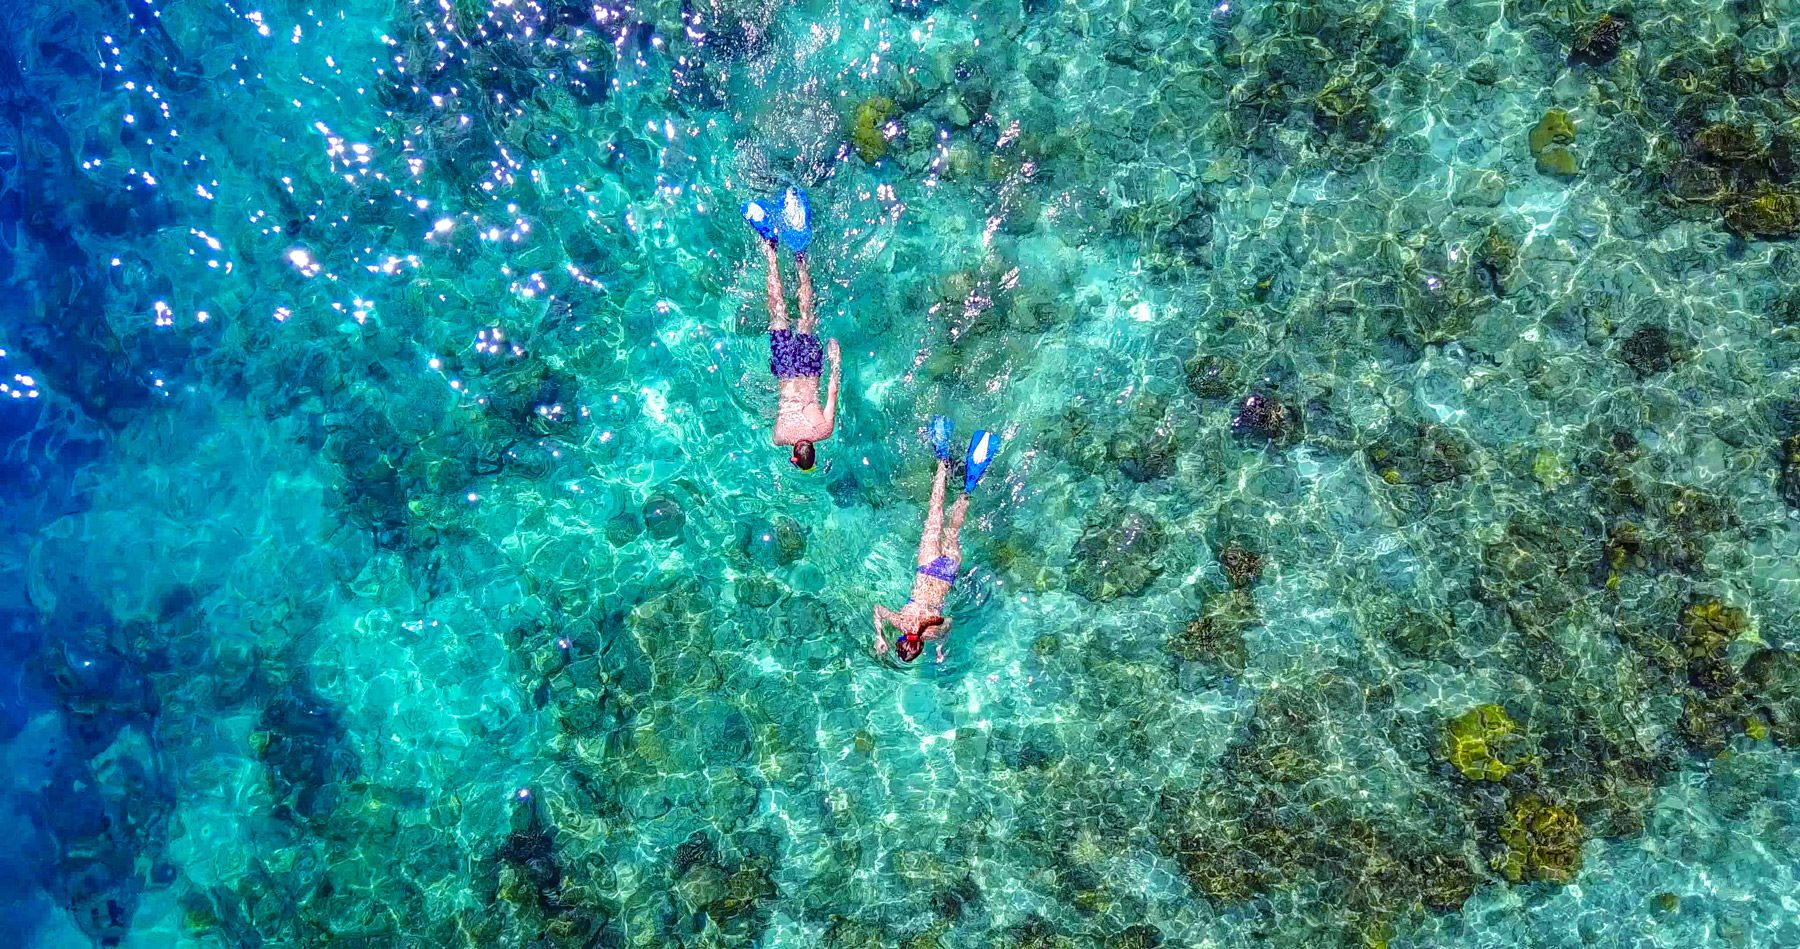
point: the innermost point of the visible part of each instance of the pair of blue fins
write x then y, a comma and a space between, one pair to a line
788, 221
981, 450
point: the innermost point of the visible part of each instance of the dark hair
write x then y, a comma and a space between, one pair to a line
803, 457
909, 647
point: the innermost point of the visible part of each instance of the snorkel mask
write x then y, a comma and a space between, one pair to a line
909, 646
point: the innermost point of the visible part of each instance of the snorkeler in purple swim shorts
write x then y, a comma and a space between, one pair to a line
795, 356
940, 553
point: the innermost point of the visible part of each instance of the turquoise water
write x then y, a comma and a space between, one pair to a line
1395, 539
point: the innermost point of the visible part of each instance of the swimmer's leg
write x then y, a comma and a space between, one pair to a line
952, 545
778, 313
930, 541
809, 316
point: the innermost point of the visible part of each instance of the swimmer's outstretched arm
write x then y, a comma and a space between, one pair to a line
837, 370
941, 633
883, 614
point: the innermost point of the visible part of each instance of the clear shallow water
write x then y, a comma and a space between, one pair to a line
389, 441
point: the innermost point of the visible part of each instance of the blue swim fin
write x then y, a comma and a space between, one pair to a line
939, 429
761, 220
795, 224
981, 452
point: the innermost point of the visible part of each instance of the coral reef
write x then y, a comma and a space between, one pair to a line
1555, 128
869, 129
1119, 552
1767, 212
733, 899
1772, 682
1216, 636
1145, 447
1728, 163
1421, 635
1211, 377
1707, 628
1529, 574
1547, 140
1493, 261
1329, 71
1266, 417
1727, 143
1242, 567
1543, 842
663, 517
1789, 476
300, 739
1597, 43
1477, 743
1135, 936
1649, 350
1558, 162
1371, 876
1424, 455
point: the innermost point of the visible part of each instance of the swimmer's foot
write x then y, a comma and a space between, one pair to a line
762, 221
939, 430
981, 453
795, 223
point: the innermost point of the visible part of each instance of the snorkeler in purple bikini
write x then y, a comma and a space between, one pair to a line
940, 553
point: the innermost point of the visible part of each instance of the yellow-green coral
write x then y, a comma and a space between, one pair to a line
1767, 212
1708, 626
1555, 128
867, 132
1543, 842
1548, 469
1547, 139
1558, 162
199, 918
1375, 933
1473, 742
1623, 552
